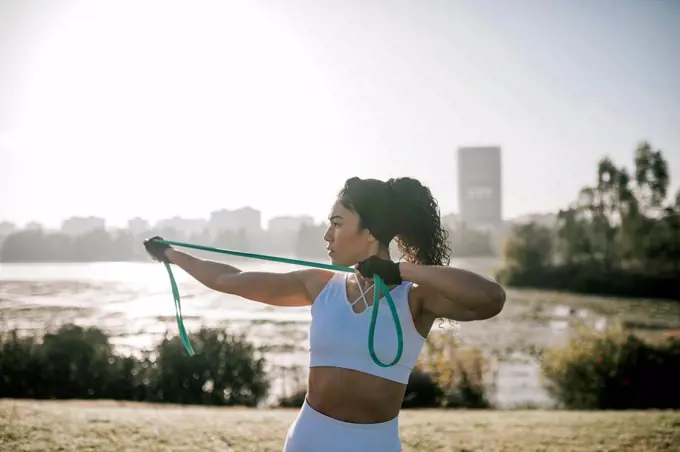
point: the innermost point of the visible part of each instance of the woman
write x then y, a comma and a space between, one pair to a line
352, 403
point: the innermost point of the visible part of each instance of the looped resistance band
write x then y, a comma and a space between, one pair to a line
380, 286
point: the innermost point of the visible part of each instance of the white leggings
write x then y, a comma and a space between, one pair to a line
315, 432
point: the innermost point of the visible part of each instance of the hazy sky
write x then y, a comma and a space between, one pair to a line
127, 108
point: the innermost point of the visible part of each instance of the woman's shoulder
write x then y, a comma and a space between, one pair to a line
317, 280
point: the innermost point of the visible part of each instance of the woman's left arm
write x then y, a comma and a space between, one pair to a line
454, 293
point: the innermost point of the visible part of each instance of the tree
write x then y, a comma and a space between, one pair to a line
529, 248
621, 235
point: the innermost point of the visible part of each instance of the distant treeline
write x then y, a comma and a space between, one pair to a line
620, 237
35, 245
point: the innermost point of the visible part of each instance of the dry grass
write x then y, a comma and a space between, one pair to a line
110, 426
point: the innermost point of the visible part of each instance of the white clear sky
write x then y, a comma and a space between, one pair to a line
127, 108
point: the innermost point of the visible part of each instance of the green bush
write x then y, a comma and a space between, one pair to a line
468, 389
422, 391
73, 362
613, 370
294, 400
77, 362
21, 366
456, 369
224, 370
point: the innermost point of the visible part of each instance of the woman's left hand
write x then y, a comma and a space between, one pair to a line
386, 269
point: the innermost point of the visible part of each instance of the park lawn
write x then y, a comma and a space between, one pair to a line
27, 425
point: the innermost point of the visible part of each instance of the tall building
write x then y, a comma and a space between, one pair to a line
479, 186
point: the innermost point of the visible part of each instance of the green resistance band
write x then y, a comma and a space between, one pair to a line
380, 286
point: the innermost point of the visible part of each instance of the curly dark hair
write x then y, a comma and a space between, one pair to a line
402, 209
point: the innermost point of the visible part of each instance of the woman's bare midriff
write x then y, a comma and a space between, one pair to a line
352, 396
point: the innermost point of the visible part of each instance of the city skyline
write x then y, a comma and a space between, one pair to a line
257, 104
279, 222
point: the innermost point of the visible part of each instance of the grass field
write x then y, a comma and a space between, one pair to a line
27, 425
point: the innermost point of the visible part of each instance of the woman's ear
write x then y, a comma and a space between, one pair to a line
369, 235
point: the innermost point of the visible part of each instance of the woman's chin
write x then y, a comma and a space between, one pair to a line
334, 259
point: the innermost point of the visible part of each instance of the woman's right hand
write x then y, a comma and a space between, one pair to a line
157, 250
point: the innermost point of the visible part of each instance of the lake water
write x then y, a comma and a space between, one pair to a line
134, 302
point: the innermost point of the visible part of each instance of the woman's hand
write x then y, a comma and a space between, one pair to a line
157, 250
386, 269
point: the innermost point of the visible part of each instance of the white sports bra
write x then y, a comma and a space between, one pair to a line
338, 336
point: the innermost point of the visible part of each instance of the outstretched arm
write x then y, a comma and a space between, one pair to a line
296, 288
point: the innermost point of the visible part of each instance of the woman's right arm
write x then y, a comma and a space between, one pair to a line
296, 288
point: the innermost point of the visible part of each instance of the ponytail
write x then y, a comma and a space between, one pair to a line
421, 237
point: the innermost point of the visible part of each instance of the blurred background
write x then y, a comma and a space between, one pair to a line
548, 132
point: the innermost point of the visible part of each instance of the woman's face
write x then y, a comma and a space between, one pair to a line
347, 243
